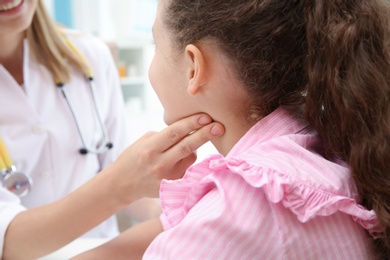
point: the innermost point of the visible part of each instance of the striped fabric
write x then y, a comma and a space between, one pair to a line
272, 197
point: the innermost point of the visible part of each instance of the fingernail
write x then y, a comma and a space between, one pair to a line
204, 120
216, 130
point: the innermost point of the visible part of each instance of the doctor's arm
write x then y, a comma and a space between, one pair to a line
130, 244
135, 174
118, 128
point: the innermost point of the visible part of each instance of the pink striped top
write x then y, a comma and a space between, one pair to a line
272, 197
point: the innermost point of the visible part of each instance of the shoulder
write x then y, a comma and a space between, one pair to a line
93, 48
299, 156
96, 52
82, 39
236, 181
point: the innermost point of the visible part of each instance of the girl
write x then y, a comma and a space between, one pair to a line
41, 136
302, 88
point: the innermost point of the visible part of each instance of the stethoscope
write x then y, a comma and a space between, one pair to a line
19, 183
16, 182
106, 144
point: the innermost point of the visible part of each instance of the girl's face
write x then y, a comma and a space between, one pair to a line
168, 73
16, 15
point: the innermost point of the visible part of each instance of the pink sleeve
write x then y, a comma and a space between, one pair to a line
229, 209
220, 227
164, 222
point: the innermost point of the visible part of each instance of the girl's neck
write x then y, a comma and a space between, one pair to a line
11, 55
233, 133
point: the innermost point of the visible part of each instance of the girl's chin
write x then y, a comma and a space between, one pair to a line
169, 120
166, 120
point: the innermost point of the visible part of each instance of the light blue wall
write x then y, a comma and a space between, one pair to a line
63, 12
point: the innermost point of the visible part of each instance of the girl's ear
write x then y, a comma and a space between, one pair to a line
196, 70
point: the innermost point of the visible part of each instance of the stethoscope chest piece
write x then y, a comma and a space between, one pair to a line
16, 182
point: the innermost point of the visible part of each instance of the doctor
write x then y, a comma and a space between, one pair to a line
54, 133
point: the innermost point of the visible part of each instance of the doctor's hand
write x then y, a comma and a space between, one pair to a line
163, 155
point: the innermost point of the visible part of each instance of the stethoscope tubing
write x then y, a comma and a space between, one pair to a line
98, 112
106, 144
19, 183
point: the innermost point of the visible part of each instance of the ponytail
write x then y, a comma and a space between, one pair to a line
348, 92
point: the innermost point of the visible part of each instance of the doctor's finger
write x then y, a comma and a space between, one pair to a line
188, 145
180, 129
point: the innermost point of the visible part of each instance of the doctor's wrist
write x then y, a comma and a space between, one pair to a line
120, 189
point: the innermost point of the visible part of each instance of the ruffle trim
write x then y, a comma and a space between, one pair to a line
306, 202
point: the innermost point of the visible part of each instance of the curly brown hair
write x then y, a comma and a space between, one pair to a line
326, 59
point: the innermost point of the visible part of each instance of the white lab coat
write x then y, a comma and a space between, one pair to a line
41, 136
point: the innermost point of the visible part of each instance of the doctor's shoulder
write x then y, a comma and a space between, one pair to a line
94, 49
